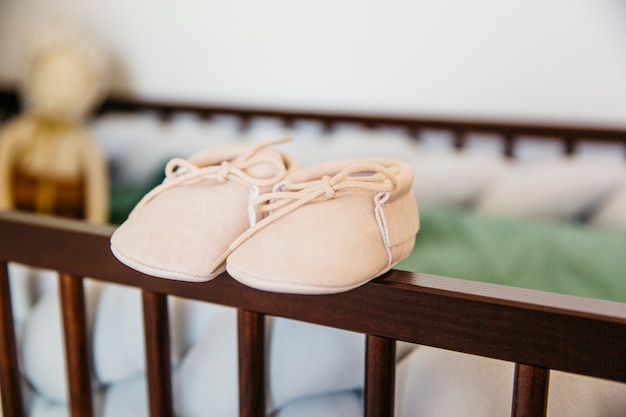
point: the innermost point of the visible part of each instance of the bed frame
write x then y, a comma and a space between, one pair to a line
537, 331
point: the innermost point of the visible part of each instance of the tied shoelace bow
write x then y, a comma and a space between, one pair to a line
365, 176
290, 196
179, 171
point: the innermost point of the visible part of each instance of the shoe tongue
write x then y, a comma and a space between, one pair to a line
316, 172
358, 168
264, 163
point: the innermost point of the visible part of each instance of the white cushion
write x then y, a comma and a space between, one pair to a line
353, 141
438, 383
42, 407
338, 404
207, 378
308, 359
612, 213
434, 383
118, 344
42, 347
27, 285
126, 398
118, 340
305, 360
558, 190
453, 179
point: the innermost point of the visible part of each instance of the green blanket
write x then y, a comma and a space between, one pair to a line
564, 258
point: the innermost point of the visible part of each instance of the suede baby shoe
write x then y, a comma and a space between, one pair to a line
329, 228
181, 229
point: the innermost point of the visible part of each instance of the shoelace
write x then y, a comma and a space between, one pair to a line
179, 171
276, 204
364, 176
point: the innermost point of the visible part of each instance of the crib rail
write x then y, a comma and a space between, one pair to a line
510, 131
538, 331
571, 135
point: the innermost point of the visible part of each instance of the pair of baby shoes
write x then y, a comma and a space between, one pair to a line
250, 210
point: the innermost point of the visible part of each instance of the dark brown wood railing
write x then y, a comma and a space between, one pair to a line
536, 330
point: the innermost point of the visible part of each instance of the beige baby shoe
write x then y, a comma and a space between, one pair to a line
329, 228
182, 228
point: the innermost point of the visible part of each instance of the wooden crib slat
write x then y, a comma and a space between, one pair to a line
530, 391
12, 404
458, 139
158, 360
569, 145
380, 376
77, 348
509, 144
251, 333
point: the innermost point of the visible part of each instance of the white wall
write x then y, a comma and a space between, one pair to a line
534, 59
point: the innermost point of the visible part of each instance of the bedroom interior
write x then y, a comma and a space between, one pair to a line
516, 283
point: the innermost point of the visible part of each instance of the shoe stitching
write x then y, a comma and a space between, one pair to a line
306, 286
117, 253
291, 284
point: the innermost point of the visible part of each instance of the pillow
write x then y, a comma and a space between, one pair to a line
207, 376
117, 134
42, 407
27, 285
347, 141
139, 145
126, 398
556, 190
307, 359
453, 179
335, 404
304, 360
612, 214
118, 340
435, 382
42, 351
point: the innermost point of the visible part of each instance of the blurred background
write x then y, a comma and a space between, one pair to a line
559, 60
551, 61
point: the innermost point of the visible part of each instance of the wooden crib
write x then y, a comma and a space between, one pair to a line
537, 331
